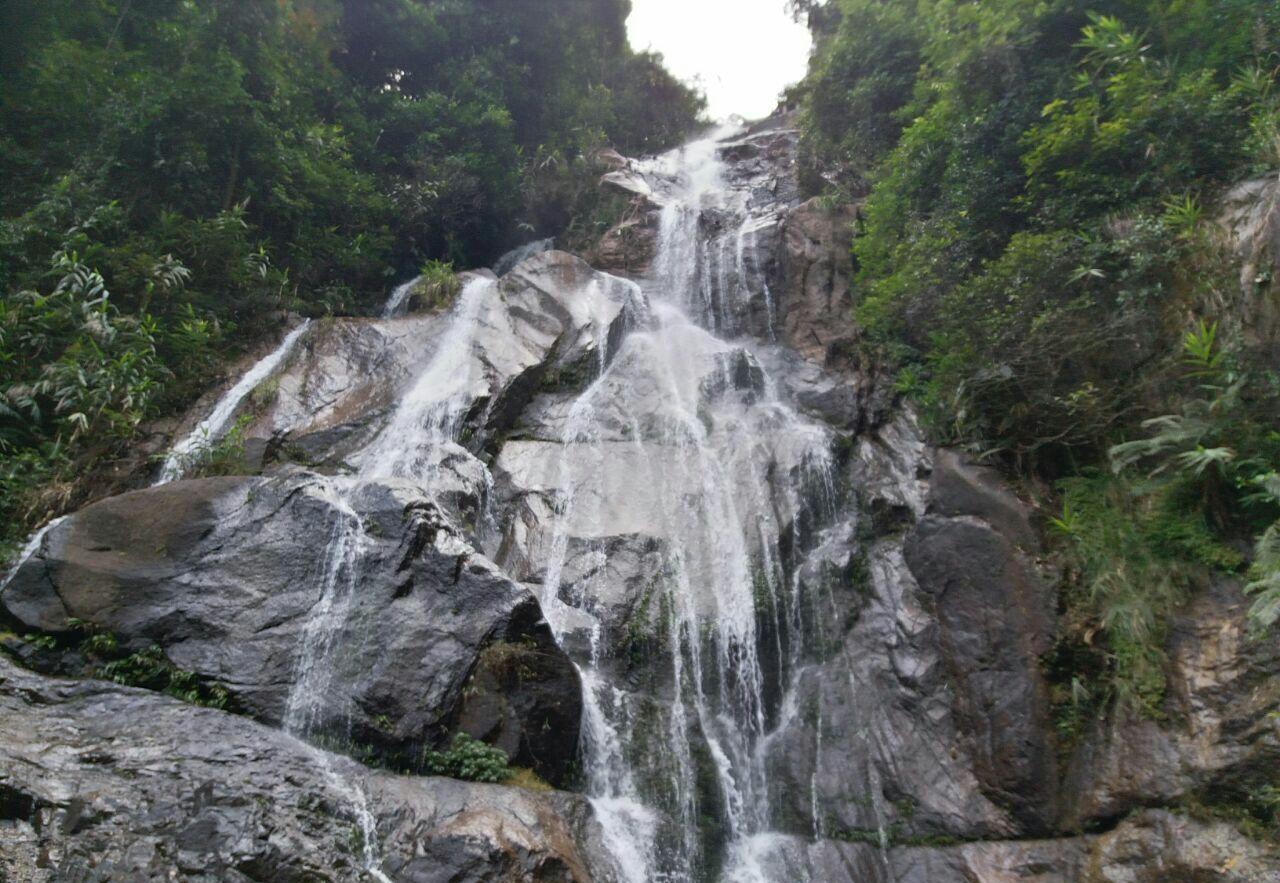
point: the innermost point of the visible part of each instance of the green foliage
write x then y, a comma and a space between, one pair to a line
214, 164
100, 655
1123, 589
1265, 575
221, 456
1035, 173
151, 669
438, 285
469, 758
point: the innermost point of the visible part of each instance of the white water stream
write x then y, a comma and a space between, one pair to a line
428, 416
209, 430
647, 436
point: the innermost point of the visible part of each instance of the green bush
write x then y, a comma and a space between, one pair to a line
438, 285
1124, 590
151, 669
469, 758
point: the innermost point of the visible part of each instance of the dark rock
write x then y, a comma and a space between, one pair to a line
105, 783
995, 618
958, 486
226, 574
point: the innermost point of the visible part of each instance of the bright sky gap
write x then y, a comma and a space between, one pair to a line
743, 53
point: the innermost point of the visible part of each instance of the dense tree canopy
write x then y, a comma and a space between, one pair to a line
178, 173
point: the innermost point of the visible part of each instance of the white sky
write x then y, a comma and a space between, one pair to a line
742, 53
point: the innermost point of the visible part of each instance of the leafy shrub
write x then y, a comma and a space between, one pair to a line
438, 285
152, 670
1123, 590
469, 758
221, 456
1265, 574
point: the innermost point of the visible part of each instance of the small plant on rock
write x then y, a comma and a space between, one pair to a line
469, 758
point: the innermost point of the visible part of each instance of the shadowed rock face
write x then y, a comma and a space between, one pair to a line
106, 783
224, 574
994, 623
1251, 219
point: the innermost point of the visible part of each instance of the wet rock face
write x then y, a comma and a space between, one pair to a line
104, 783
1220, 738
899, 731
995, 620
550, 314
225, 575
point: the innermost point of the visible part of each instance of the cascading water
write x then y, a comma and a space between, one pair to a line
399, 298
431, 413
681, 452
682, 439
427, 417
213, 427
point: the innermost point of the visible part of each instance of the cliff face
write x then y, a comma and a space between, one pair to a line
659, 497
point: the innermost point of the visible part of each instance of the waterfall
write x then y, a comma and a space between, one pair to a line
30, 548
671, 428
395, 304
508, 261
213, 427
680, 452
431, 413
428, 416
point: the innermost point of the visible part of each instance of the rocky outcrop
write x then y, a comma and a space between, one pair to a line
1219, 740
995, 617
100, 782
1148, 847
1251, 219
548, 316
817, 297
231, 576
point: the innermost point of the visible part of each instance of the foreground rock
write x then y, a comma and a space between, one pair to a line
353, 610
106, 783
1149, 847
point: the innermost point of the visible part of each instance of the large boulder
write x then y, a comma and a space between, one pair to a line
353, 610
100, 782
